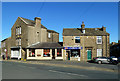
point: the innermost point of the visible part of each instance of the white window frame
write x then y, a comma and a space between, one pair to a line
99, 37
16, 30
20, 30
49, 35
20, 41
77, 38
99, 53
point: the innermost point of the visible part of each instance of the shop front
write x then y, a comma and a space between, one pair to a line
16, 52
73, 53
45, 51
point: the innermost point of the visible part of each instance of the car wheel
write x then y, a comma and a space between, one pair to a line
99, 62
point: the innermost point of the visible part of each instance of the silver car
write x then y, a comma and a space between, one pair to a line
101, 60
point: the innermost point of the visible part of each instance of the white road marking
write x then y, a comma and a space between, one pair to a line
32, 67
68, 73
21, 66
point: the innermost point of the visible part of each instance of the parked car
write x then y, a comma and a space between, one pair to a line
114, 58
118, 59
101, 60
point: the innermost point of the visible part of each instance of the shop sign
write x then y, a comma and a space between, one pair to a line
73, 47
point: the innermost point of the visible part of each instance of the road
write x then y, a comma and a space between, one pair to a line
14, 70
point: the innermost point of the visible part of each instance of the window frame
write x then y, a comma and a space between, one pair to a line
99, 38
49, 35
59, 52
77, 38
99, 52
47, 51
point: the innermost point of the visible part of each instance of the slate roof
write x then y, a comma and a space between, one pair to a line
45, 45
88, 32
31, 22
52, 31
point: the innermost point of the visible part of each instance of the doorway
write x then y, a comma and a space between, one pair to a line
89, 55
68, 54
53, 53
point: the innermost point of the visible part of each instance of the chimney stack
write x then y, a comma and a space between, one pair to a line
83, 27
37, 21
103, 28
113, 43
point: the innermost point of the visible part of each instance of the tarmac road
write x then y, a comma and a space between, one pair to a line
14, 70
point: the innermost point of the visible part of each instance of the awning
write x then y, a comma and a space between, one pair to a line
15, 47
45, 45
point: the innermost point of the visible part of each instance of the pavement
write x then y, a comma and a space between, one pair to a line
74, 64
20, 70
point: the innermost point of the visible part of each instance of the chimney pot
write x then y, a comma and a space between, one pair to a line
83, 25
103, 28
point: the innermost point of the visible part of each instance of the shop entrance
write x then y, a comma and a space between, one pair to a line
89, 54
68, 54
53, 53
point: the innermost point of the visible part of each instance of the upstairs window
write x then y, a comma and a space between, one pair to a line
99, 39
49, 35
16, 31
77, 39
20, 41
20, 30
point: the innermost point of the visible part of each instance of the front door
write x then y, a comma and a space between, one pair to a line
53, 53
68, 54
89, 55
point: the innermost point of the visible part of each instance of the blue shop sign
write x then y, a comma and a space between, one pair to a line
73, 47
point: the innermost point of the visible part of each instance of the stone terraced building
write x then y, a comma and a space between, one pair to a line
84, 44
26, 34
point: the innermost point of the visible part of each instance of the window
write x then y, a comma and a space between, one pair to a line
77, 39
16, 30
31, 52
49, 35
17, 42
59, 52
20, 41
20, 30
75, 53
99, 52
99, 39
46, 53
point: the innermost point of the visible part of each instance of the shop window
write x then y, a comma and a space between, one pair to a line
77, 39
99, 39
31, 52
75, 53
59, 52
46, 53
